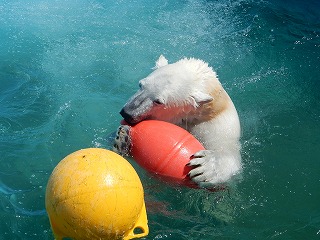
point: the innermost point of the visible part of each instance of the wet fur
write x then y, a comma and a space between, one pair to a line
189, 94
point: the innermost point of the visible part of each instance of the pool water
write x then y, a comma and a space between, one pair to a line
67, 68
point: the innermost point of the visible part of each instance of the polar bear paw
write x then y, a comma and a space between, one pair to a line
122, 140
206, 169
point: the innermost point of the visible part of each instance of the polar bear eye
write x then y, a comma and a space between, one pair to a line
157, 101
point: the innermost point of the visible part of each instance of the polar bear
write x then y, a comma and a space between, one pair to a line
188, 93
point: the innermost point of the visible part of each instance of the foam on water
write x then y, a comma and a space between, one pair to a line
67, 67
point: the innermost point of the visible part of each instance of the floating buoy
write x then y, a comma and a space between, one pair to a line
96, 194
163, 148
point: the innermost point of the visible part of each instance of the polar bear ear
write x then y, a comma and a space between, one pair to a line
162, 61
201, 98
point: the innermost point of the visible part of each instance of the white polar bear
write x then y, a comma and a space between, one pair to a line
188, 93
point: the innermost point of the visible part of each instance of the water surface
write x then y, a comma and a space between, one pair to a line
66, 69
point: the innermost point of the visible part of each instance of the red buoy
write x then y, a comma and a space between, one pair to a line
164, 149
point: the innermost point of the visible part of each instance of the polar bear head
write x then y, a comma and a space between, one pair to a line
172, 91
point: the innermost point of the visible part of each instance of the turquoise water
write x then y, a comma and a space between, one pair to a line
67, 67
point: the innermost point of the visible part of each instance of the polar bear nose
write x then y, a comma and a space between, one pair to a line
127, 117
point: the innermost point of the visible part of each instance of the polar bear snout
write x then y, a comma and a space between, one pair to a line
138, 108
126, 116
133, 116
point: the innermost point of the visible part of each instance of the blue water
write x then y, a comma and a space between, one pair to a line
67, 67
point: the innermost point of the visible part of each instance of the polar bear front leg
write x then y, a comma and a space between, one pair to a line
210, 169
122, 141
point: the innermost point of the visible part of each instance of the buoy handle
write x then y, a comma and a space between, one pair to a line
141, 225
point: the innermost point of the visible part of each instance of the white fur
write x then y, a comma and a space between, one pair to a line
180, 93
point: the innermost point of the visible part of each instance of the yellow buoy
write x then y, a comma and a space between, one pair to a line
96, 194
